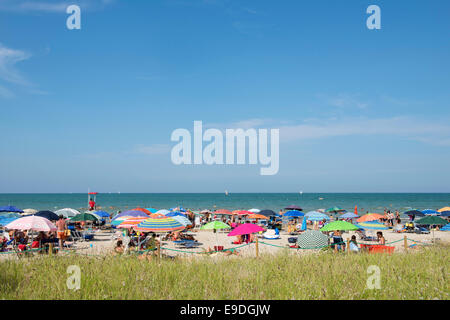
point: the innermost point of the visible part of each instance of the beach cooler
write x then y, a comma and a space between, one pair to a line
377, 248
218, 248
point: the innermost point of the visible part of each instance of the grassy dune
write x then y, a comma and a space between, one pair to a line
422, 274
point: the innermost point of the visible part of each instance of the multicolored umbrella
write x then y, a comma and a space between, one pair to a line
131, 222
241, 212
34, 223
142, 210
215, 225
246, 228
339, 225
444, 209
175, 213
159, 225
163, 211
131, 213
120, 219
223, 211
372, 225
183, 220
312, 239
152, 210
157, 215
370, 217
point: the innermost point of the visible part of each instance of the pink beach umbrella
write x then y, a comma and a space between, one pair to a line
34, 223
245, 228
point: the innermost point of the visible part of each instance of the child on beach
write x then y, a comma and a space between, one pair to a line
380, 237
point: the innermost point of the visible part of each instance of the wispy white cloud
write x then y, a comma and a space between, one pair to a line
153, 149
8, 60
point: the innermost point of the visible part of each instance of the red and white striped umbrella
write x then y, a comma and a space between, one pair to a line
130, 222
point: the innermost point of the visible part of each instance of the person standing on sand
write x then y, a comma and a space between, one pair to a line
61, 227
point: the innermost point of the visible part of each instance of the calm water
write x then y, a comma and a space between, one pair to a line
373, 202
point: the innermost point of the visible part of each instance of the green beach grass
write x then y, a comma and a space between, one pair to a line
420, 274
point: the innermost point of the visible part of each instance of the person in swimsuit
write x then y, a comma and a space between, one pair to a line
61, 227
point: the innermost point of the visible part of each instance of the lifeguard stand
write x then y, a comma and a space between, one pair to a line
92, 195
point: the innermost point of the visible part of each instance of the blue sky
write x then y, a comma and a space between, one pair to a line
358, 110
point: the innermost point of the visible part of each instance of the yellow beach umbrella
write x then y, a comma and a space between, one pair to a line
444, 209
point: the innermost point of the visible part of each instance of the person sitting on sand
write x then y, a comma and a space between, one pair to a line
381, 239
338, 241
118, 249
353, 245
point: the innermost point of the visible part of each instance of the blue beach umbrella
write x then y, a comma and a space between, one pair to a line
47, 215
183, 220
10, 209
446, 227
304, 226
175, 213
317, 217
293, 214
430, 212
445, 214
102, 214
349, 215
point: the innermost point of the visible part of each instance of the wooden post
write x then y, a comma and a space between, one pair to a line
257, 247
405, 242
159, 250
348, 247
50, 249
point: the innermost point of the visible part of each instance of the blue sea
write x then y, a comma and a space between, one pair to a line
112, 202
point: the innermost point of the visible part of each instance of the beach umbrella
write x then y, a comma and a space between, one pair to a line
430, 212
293, 207
130, 222
131, 213
183, 220
119, 220
152, 210
246, 228
159, 225
27, 212
372, 225
47, 215
339, 225
205, 211
102, 214
256, 216
215, 225
335, 210
254, 210
446, 227
157, 215
349, 215
10, 209
444, 209
370, 217
163, 211
67, 212
142, 210
293, 214
84, 217
34, 223
414, 213
313, 212
175, 213
269, 213
304, 225
241, 212
430, 220
445, 213
317, 217
312, 239
223, 211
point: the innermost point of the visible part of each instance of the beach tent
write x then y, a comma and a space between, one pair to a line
312, 239
33, 223
10, 209
47, 215
67, 212
339, 225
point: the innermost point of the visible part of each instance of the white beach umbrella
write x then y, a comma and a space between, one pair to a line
27, 212
254, 210
67, 212
163, 211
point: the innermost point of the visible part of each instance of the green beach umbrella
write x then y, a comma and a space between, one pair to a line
339, 225
215, 225
84, 217
432, 220
335, 210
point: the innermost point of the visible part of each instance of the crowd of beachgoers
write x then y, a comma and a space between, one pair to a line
148, 232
